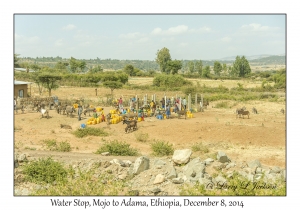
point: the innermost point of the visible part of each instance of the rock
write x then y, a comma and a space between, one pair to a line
122, 176
258, 170
249, 177
275, 170
159, 179
249, 170
134, 192
128, 163
194, 169
254, 164
105, 153
22, 158
219, 180
156, 190
159, 162
230, 165
177, 180
181, 156
118, 162
222, 157
141, 164
208, 161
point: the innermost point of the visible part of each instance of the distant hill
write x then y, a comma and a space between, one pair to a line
114, 64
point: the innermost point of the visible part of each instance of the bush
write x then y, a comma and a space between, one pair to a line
52, 145
89, 131
200, 147
117, 148
142, 137
44, 170
161, 148
223, 104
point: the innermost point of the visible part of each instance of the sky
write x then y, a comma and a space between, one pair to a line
140, 36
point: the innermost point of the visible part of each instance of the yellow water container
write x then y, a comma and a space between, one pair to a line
98, 120
139, 119
75, 106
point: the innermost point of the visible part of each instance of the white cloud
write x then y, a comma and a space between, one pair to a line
69, 27
134, 35
226, 39
58, 42
183, 44
255, 28
142, 40
27, 40
180, 29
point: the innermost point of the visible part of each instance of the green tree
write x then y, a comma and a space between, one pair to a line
112, 85
81, 65
162, 58
206, 71
217, 68
96, 69
129, 69
61, 65
173, 66
73, 64
198, 67
241, 67
16, 59
49, 81
224, 68
191, 67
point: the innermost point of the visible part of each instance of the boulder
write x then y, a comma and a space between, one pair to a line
140, 164
222, 157
181, 156
194, 169
118, 162
208, 161
159, 179
172, 173
254, 164
177, 180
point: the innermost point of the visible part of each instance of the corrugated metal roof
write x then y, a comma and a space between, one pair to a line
21, 82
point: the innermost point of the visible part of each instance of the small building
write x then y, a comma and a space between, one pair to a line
21, 89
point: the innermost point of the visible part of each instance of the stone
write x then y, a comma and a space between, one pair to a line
156, 190
22, 158
118, 162
208, 161
254, 164
181, 156
230, 165
159, 179
159, 162
219, 180
122, 176
275, 170
194, 169
177, 180
172, 173
222, 157
127, 163
141, 164
105, 153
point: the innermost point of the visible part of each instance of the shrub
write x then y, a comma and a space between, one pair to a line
161, 148
200, 147
89, 131
142, 137
52, 145
223, 104
117, 148
44, 170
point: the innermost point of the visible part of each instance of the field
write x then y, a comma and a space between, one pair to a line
262, 136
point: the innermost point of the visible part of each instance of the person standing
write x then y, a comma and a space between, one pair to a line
168, 113
184, 103
79, 112
120, 102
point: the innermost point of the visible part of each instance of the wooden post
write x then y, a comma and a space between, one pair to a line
196, 98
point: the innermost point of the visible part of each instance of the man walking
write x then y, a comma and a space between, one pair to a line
79, 112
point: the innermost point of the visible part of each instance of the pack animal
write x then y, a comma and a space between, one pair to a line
89, 110
131, 125
20, 107
282, 111
44, 111
254, 110
181, 112
70, 110
243, 112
